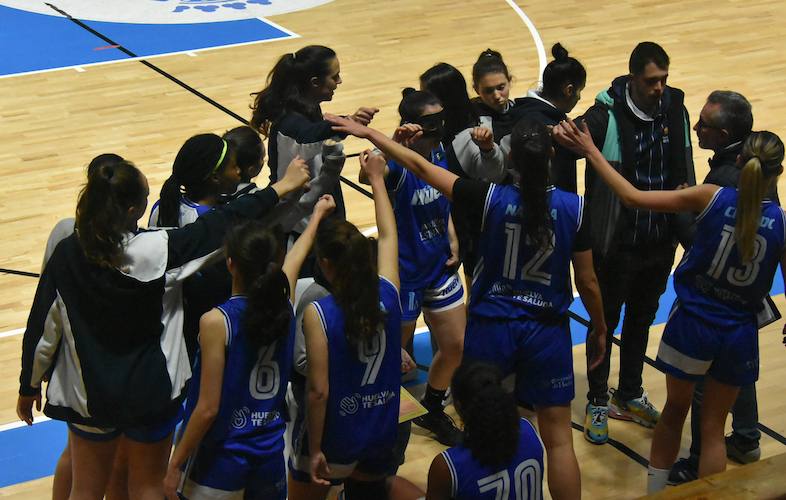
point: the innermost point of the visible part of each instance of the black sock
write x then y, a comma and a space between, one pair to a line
432, 399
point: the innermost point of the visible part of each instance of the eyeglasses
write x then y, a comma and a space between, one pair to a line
702, 124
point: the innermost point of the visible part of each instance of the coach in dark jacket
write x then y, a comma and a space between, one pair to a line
641, 126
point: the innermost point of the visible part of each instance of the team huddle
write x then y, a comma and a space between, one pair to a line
266, 338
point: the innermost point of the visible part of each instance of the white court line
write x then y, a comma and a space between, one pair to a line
15, 425
535, 37
369, 232
11, 333
80, 67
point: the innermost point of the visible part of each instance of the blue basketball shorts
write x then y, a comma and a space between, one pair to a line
539, 354
692, 347
221, 473
442, 294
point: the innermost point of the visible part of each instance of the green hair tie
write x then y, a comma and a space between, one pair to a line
220, 159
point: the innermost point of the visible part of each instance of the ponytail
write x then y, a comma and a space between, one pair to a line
287, 87
489, 62
255, 252
102, 210
563, 70
491, 420
198, 159
531, 147
762, 155
356, 282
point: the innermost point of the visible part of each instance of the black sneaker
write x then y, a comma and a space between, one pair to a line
684, 470
440, 423
741, 450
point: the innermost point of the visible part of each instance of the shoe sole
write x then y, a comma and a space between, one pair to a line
745, 458
616, 414
590, 440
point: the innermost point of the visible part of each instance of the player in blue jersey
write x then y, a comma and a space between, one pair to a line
501, 457
353, 351
720, 285
428, 260
520, 290
204, 168
233, 440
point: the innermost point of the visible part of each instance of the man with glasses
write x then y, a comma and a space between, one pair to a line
724, 123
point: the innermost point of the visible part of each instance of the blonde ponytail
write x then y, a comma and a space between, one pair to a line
752, 189
762, 155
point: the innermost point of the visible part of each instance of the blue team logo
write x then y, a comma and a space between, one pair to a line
240, 417
214, 5
349, 405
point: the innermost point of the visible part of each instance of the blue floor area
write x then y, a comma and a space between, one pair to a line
35, 42
29, 453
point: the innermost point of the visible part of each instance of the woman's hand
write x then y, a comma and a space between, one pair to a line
24, 407
407, 363
373, 164
319, 468
324, 206
483, 137
574, 138
347, 126
296, 176
364, 115
596, 343
407, 134
171, 482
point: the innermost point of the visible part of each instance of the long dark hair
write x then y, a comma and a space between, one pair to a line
356, 283
489, 62
256, 252
288, 84
102, 159
200, 156
449, 85
563, 70
530, 152
491, 421
249, 150
102, 210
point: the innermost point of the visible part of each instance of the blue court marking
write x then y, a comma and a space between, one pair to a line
36, 42
28, 453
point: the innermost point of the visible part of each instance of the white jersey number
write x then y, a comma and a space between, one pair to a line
737, 276
371, 352
266, 375
528, 482
532, 270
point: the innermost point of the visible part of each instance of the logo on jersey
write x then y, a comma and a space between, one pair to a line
424, 196
240, 417
349, 405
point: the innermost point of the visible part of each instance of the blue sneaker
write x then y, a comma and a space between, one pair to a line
639, 410
596, 424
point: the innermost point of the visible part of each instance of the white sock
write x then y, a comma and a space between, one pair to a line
656, 479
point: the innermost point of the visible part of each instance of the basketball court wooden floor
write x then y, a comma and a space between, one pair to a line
52, 123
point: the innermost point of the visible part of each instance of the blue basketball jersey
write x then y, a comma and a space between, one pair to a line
711, 281
521, 479
252, 413
422, 223
363, 400
514, 279
189, 212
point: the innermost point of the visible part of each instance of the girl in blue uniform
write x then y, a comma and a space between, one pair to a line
501, 457
427, 265
529, 234
233, 442
353, 350
720, 284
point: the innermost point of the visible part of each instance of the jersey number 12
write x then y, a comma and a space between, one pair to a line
533, 269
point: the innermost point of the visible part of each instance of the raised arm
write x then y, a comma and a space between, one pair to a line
300, 250
692, 199
374, 166
439, 178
